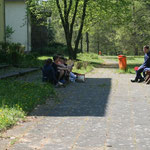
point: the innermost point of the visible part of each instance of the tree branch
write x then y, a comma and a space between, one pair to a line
70, 5
65, 8
60, 12
74, 17
81, 26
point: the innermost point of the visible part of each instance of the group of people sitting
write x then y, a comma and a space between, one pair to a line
57, 72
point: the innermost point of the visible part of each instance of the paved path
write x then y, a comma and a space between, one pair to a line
107, 112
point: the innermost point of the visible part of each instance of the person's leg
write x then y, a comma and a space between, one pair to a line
139, 71
53, 77
61, 73
72, 75
138, 74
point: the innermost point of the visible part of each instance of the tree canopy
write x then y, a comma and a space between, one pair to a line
114, 26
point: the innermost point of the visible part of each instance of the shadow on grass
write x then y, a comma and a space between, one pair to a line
81, 99
109, 66
96, 65
99, 65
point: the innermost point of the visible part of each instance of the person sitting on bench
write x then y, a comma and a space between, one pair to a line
49, 73
146, 64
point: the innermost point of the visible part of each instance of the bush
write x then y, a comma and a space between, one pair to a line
53, 48
81, 64
11, 53
30, 60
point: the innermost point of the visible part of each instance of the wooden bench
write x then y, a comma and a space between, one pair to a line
147, 78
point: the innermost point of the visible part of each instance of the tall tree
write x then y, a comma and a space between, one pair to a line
68, 25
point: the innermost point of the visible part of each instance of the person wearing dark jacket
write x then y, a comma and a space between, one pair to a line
146, 64
49, 73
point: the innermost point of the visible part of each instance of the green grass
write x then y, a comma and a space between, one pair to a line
85, 62
132, 61
17, 99
90, 57
44, 57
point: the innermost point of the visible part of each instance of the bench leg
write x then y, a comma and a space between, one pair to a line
147, 76
148, 81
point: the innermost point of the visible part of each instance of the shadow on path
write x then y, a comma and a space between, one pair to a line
111, 65
81, 99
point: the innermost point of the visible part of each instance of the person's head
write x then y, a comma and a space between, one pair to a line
48, 61
65, 60
62, 60
146, 49
56, 59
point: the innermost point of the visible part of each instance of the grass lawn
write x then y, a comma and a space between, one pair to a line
132, 61
85, 62
18, 98
42, 58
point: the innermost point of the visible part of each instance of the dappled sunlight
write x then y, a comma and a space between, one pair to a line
44, 57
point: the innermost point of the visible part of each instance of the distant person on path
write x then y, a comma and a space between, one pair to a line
146, 64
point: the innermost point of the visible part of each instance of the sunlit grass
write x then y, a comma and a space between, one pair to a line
44, 57
17, 99
85, 62
90, 57
132, 61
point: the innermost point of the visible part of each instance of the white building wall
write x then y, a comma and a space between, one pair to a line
16, 17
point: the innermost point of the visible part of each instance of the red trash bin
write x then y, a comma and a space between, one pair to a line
100, 53
122, 62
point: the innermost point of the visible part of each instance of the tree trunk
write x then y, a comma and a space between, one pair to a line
134, 29
70, 50
87, 41
98, 46
136, 51
81, 44
68, 27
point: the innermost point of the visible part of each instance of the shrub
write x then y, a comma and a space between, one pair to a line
11, 53
81, 64
53, 48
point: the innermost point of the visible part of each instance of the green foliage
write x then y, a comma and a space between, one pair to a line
52, 49
30, 60
90, 57
9, 116
8, 32
114, 27
13, 54
132, 61
87, 61
127, 37
17, 99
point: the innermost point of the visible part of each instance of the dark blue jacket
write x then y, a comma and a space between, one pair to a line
49, 74
147, 60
